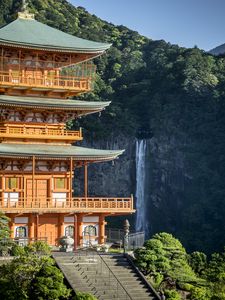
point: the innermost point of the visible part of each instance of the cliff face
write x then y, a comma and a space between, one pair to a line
171, 204
110, 178
165, 178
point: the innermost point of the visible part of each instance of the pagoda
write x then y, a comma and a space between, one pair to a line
41, 68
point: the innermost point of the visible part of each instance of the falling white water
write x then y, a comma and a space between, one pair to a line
140, 224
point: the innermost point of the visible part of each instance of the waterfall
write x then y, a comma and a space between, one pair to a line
141, 223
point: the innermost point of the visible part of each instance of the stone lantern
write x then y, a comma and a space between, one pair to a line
126, 235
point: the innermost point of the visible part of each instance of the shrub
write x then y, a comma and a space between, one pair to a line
84, 296
172, 295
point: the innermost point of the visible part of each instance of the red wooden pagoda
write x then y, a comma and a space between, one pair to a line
40, 69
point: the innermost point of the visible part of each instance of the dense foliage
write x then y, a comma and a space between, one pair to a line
32, 274
172, 95
4, 226
180, 275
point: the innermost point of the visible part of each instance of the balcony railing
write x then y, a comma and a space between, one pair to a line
89, 204
84, 69
53, 82
38, 132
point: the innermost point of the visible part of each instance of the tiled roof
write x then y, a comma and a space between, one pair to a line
55, 151
29, 33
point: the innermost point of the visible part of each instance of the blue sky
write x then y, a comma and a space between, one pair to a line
183, 22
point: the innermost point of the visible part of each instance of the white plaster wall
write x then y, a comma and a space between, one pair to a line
91, 219
21, 220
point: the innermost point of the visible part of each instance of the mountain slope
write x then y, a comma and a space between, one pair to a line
219, 50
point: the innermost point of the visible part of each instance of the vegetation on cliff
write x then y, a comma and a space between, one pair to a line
180, 275
162, 92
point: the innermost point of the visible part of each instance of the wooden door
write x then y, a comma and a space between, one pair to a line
40, 192
48, 229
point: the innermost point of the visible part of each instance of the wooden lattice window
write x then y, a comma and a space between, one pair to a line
11, 183
60, 183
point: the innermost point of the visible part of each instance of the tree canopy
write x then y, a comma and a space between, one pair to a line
178, 274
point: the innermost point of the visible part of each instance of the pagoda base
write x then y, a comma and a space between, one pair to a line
89, 229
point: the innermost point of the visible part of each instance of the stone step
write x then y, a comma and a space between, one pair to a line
90, 274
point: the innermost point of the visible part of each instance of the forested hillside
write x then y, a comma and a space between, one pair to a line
172, 96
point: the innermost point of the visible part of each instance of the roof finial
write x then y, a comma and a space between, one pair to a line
24, 13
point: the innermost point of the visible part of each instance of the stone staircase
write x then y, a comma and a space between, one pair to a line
105, 276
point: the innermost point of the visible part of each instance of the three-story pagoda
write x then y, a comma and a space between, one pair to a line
40, 69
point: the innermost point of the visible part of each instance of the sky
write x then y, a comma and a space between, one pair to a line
187, 23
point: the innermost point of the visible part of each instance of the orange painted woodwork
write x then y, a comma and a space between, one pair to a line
38, 195
37, 158
48, 226
51, 133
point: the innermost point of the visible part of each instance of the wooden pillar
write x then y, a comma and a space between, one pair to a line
2, 60
80, 230
37, 225
12, 226
31, 227
101, 237
75, 235
71, 179
19, 61
33, 177
60, 225
86, 180
3, 189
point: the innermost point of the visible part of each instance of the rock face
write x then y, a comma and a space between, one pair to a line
110, 178
166, 184
165, 179
115, 179
171, 188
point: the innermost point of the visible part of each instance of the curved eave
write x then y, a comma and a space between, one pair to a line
84, 107
54, 152
31, 34
95, 52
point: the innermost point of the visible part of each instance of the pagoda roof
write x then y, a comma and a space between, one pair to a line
29, 33
44, 151
51, 103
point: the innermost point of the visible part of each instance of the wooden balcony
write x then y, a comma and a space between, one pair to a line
45, 132
37, 83
88, 205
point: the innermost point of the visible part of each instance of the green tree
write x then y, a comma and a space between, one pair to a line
48, 284
32, 275
4, 226
165, 261
84, 296
198, 262
165, 254
5, 242
215, 274
172, 295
